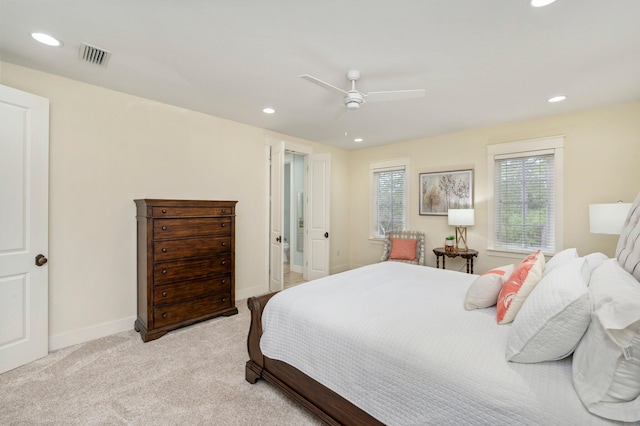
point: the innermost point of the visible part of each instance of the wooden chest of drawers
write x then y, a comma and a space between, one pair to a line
186, 263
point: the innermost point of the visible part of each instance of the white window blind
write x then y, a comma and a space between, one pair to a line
524, 201
388, 199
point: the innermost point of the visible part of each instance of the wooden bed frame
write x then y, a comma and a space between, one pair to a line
318, 399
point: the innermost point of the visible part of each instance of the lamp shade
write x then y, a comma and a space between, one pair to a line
607, 218
461, 217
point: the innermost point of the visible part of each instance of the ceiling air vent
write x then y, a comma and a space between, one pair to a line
94, 55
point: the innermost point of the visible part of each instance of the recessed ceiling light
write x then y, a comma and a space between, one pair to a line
541, 3
46, 39
559, 98
358, 140
269, 110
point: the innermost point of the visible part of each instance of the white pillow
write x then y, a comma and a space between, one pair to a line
553, 318
483, 292
594, 260
560, 258
606, 363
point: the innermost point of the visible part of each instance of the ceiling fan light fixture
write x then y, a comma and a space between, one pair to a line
353, 104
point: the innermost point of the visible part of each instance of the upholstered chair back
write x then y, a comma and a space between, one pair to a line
404, 235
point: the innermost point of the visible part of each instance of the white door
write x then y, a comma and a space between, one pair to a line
24, 192
317, 249
277, 217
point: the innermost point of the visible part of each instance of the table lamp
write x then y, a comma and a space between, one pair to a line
608, 218
461, 218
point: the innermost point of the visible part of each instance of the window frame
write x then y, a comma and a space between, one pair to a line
381, 166
523, 149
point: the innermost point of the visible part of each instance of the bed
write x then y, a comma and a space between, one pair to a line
391, 343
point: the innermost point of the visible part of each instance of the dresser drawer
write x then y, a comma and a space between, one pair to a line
181, 270
160, 212
191, 247
192, 227
177, 312
176, 292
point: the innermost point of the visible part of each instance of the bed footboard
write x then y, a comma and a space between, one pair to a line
255, 365
330, 407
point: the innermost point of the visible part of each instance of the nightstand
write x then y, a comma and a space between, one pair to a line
468, 255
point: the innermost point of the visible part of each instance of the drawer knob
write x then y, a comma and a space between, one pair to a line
164, 211
224, 224
224, 244
223, 211
164, 228
164, 315
224, 262
164, 294
164, 272
164, 250
223, 281
224, 299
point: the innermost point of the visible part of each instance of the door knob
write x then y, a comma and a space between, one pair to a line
326, 235
279, 239
41, 260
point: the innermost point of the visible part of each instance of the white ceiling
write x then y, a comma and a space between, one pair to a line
482, 62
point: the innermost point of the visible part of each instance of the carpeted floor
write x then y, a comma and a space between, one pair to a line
192, 376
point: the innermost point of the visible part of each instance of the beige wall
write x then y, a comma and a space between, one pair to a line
107, 149
601, 164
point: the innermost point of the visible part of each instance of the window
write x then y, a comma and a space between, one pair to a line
389, 189
525, 206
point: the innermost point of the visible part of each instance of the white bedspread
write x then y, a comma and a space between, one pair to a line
395, 340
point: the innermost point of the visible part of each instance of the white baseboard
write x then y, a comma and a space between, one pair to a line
75, 337
71, 338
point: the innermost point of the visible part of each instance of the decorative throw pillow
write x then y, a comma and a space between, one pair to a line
560, 258
514, 292
483, 292
403, 249
606, 362
554, 317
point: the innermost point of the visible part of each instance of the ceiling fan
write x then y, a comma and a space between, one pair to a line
354, 98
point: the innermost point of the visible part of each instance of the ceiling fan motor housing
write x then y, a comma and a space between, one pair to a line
354, 99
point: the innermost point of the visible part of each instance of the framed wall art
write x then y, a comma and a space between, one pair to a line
442, 191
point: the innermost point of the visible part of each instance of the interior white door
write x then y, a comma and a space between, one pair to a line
318, 245
277, 217
24, 193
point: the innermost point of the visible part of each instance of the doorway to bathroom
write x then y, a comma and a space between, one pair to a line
312, 217
293, 208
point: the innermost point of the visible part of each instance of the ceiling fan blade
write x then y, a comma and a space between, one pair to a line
395, 95
339, 112
323, 84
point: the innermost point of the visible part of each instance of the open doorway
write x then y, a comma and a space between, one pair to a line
293, 208
307, 233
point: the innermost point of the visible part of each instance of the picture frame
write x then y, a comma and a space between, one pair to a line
440, 191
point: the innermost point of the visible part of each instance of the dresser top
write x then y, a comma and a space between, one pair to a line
182, 203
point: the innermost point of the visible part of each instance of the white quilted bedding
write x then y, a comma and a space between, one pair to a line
395, 340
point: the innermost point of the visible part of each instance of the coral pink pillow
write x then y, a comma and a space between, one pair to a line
403, 249
514, 292
483, 292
